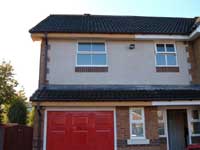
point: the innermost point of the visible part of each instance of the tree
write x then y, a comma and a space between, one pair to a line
17, 112
7, 85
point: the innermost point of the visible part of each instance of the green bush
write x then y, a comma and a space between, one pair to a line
31, 115
17, 112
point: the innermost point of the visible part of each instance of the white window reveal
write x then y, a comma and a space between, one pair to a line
137, 126
91, 54
166, 55
162, 125
195, 122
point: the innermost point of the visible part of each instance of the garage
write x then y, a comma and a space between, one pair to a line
80, 130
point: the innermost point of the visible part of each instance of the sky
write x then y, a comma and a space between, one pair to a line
18, 16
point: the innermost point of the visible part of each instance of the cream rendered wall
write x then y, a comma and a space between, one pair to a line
124, 66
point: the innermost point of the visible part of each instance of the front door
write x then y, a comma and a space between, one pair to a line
176, 129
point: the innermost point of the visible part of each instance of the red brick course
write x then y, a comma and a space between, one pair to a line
167, 69
91, 69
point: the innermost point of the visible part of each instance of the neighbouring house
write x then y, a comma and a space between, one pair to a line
117, 83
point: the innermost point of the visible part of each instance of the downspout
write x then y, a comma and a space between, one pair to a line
38, 107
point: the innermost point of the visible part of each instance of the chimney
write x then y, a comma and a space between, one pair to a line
197, 22
87, 14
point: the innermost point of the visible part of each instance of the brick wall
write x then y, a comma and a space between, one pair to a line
35, 130
151, 126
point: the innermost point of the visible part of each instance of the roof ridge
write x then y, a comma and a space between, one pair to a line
88, 14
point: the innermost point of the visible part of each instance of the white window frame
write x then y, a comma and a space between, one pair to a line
137, 121
165, 53
190, 121
163, 121
91, 52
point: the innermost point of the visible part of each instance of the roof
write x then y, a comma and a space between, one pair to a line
116, 93
114, 24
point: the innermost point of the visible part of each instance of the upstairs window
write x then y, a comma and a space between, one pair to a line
91, 54
166, 55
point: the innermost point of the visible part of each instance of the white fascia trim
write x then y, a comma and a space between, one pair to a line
161, 37
191, 37
175, 103
195, 33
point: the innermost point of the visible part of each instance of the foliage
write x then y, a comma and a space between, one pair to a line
31, 117
7, 86
17, 112
7, 83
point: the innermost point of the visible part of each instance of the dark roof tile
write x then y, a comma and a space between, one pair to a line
116, 93
114, 24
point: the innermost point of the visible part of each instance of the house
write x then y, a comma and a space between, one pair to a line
117, 83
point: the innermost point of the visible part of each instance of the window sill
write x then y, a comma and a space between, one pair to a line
137, 141
167, 69
91, 69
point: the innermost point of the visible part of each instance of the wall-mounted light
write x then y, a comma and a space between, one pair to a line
132, 46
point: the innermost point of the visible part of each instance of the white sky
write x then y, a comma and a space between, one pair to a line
18, 16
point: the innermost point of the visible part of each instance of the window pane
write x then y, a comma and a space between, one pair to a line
137, 130
98, 47
84, 59
160, 48
160, 115
99, 59
137, 114
161, 129
196, 127
171, 59
160, 59
84, 47
195, 114
170, 48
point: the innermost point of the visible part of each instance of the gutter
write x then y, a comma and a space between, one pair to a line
195, 34
190, 37
38, 108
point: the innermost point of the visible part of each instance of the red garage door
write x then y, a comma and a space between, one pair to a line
80, 130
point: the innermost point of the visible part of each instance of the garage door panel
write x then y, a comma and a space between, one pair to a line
104, 139
104, 120
56, 131
77, 130
58, 140
58, 122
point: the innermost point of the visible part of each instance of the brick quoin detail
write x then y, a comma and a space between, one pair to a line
194, 59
